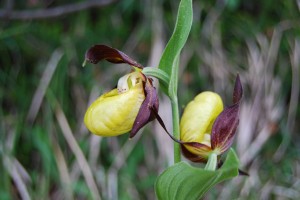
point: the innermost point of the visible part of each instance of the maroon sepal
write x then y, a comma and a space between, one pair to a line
203, 150
224, 128
238, 90
192, 157
161, 122
103, 52
145, 113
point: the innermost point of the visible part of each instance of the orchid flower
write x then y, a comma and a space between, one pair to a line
130, 106
206, 128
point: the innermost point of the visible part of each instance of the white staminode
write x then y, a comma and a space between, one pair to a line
127, 81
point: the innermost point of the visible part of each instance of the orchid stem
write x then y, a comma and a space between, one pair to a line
212, 162
165, 80
176, 131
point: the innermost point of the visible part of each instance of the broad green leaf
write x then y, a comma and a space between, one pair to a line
170, 58
182, 181
157, 73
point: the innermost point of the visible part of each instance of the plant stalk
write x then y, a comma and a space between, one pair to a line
212, 162
176, 129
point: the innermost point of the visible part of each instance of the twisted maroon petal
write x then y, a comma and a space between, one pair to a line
237, 91
193, 157
145, 113
224, 128
103, 52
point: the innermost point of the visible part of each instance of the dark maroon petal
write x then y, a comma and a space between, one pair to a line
161, 122
224, 128
238, 90
193, 144
192, 157
145, 114
103, 52
141, 119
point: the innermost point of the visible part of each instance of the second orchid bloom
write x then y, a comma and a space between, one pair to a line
206, 128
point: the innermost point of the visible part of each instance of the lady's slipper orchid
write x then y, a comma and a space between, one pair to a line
128, 107
206, 128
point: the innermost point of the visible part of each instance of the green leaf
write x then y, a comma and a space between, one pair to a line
157, 73
170, 58
182, 181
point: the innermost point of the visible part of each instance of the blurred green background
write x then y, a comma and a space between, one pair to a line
47, 153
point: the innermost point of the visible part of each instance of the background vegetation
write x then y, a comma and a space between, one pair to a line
46, 151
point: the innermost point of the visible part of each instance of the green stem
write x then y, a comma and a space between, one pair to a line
212, 162
165, 80
176, 130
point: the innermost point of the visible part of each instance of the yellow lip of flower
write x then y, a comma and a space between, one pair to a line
205, 127
114, 112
